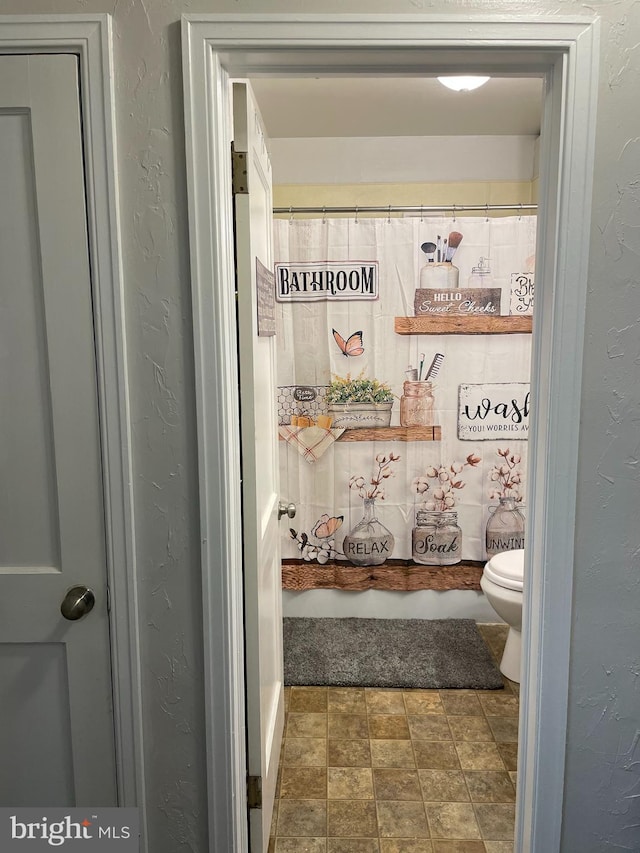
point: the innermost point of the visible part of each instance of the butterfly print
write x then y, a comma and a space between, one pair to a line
352, 346
326, 526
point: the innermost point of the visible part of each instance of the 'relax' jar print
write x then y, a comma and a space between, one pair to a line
436, 540
369, 543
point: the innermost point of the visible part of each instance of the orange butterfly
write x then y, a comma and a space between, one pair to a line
352, 346
326, 526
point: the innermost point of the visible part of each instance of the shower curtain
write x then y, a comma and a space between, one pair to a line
370, 498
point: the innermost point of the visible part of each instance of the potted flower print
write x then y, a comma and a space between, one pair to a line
370, 543
436, 538
505, 527
359, 403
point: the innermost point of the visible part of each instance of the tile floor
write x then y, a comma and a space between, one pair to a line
398, 771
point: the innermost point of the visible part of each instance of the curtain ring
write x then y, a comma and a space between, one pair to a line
389, 216
290, 215
520, 217
356, 219
486, 210
454, 213
324, 215
421, 216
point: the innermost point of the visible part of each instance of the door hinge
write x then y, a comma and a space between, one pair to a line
254, 792
239, 179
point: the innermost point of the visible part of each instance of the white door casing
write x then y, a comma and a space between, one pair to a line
565, 53
55, 674
260, 485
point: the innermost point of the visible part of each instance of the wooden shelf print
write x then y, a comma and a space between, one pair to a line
396, 433
394, 575
460, 325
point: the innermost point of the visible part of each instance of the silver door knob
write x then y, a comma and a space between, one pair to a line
77, 603
286, 509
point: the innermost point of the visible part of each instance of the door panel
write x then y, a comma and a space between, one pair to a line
56, 719
260, 488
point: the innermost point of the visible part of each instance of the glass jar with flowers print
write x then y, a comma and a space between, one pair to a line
436, 540
370, 543
506, 524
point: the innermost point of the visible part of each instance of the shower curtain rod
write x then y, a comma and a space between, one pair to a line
405, 208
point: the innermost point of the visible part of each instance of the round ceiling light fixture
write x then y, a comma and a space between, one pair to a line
463, 84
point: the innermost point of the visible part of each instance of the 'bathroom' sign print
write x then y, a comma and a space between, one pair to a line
493, 411
326, 281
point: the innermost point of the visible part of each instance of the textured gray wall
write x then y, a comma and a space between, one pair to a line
602, 777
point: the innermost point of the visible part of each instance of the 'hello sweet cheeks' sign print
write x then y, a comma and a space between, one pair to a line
493, 411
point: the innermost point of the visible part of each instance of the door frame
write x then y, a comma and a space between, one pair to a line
89, 37
564, 51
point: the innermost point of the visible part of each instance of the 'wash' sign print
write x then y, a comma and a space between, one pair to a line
493, 411
322, 281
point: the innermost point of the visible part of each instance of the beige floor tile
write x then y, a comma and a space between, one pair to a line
435, 755
402, 820
498, 705
490, 786
287, 698
423, 702
298, 818
271, 846
429, 727
513, 775
348, 753
479, 756
405, 845
303, 783
470, 729
348, 726
306, 725
396, 784
349, 783
346, 700
443, 786
385, 702
301, 845
496, 820
274, 819
505, 729
392, 753
352, 819
465, 704
440, 846
388, 727
498, 846
305, 752
509, 753
353, 845
308, 699
452, 820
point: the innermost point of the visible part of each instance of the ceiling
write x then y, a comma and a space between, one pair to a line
396, 106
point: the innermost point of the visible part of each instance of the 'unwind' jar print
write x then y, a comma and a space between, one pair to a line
436, 539
505, 528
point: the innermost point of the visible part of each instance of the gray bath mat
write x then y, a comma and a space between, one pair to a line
411, 653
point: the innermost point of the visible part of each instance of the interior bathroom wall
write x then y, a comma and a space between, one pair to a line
446, 170
602, 741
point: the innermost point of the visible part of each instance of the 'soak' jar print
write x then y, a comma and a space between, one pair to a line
436, 539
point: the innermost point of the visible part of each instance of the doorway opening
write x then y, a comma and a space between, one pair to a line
563, 52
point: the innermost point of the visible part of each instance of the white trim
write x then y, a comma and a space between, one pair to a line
565, 52
90, 38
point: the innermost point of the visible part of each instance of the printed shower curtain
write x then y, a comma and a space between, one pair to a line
369, 494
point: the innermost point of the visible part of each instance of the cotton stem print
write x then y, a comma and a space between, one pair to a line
370, 543
320, 543
506, 524
506, 478
438, 487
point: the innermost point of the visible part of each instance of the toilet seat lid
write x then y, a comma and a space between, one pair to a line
507, 569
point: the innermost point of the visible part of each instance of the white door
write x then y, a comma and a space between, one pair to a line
261, 554
56, 716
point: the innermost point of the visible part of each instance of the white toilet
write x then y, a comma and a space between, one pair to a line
502, 582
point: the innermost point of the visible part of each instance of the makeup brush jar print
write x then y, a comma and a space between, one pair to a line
416, 404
